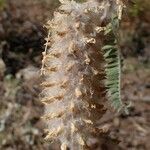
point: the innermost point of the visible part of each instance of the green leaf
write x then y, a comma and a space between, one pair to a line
107, 47
112, 69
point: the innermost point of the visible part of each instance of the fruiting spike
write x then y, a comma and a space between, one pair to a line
74, 67
81, 141
63, 146
78, 93
54, 133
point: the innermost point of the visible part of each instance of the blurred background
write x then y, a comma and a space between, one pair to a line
21, 45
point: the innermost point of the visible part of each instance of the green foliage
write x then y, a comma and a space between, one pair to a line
138, 7
2, 3
113, 74
113, 65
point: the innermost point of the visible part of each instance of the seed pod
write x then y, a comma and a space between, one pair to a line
74, 72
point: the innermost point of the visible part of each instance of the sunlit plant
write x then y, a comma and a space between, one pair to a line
81, 70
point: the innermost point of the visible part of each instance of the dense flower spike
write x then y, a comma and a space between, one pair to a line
74, 91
